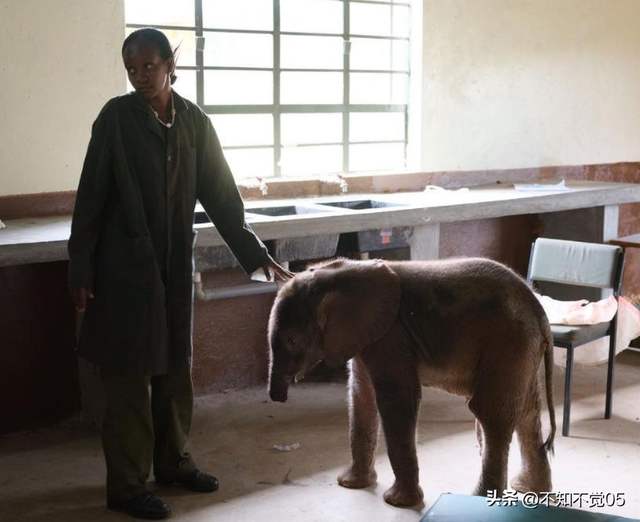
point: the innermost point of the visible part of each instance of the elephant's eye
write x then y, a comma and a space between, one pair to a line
292, 343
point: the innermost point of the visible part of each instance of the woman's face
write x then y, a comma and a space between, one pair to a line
148, 72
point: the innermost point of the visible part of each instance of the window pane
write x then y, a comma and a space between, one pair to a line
379, 88
184, 43
243, 129
159, 12
368, 53
311, 128
311, 52
400, 88
305, 161
238, 14
400, 55
384, 156
379, 20
238, 50
185, 85
311, 16
376, 126
401, 21
310, 87
245, 163
238, 87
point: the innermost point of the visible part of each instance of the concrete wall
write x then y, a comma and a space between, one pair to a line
529, 83
59, 63
505, 84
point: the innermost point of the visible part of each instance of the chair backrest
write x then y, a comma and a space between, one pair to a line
576, 263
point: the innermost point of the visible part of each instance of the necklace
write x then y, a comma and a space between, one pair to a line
173, 115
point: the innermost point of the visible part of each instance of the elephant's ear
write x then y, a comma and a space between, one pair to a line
360, 304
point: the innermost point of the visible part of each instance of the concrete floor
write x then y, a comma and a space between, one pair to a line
57, 475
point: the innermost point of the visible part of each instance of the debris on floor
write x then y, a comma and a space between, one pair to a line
289, 447
286, 481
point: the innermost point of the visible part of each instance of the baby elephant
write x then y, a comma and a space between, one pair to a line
468, 326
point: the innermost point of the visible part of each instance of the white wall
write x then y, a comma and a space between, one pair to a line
506, 84
528, 83
59, 63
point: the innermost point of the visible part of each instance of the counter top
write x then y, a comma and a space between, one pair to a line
38, 240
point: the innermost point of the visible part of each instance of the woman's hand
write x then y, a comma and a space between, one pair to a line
80, 296
280, 273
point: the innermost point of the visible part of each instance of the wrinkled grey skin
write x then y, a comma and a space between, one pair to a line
468, 326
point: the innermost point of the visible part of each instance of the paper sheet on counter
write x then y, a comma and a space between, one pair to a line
533, 187
441, 190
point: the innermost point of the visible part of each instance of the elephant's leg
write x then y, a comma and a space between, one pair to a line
536, 473
363, 427
498, 422
479, 436
398, 403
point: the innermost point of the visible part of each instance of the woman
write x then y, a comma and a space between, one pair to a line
151, 155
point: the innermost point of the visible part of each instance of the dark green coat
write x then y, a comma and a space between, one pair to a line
132, 232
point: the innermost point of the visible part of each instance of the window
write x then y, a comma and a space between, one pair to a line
293, 87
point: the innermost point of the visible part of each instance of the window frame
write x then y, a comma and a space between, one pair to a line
276, 109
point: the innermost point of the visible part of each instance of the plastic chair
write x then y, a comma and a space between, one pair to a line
586, 265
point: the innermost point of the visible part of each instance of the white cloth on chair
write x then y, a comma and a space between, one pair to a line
580, 312
584, 313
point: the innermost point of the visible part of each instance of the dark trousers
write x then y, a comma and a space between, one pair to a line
147, 421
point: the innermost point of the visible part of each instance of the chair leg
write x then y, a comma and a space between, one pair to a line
610, 367
567, 392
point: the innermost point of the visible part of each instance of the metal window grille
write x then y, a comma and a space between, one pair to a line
385, 72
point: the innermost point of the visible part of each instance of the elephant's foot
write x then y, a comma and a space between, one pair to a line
483, 488
526, 482
480, 491
403, 496
350, 478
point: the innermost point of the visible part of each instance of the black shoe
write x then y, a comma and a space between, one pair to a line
195, 481
146, 506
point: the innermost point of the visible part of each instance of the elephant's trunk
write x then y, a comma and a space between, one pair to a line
278, 388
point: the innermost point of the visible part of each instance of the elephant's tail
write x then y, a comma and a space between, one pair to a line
548, 380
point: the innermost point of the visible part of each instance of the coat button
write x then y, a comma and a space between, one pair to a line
169, 157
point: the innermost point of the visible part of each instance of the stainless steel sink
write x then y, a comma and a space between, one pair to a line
200, 217
316, 246
370, 240
287, 210
361, 204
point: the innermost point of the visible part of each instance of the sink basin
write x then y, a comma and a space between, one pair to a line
370, 240
361, 204
316, 246
200, 217
288, 210
298, 248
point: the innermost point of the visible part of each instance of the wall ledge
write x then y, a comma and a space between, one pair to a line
61, 203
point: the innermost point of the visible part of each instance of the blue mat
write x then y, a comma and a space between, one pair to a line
468, 508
